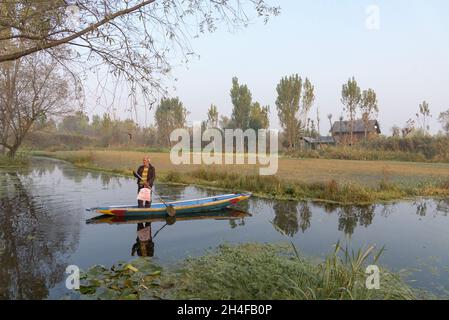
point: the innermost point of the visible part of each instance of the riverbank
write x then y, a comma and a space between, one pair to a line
336, 181
18, 161
247, 272
348, 182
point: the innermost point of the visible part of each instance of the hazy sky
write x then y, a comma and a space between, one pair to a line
405, 61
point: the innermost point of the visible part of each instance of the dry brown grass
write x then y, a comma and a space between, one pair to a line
368, 173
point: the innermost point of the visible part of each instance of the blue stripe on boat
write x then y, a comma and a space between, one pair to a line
195, 205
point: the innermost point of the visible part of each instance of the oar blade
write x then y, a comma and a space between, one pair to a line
171, 211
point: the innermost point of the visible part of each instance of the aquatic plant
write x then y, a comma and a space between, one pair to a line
248, 271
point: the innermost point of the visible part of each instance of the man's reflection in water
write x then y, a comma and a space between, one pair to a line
144, 245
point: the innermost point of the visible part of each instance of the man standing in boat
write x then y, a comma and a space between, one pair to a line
145, 178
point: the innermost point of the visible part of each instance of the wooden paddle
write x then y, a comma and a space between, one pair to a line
170, 209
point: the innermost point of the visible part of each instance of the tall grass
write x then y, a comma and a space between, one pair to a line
332, 191
361, 153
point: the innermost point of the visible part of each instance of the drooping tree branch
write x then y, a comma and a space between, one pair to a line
136, 40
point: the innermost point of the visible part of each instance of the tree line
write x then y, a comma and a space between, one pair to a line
294, 102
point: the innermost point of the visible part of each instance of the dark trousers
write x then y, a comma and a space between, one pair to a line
140, 203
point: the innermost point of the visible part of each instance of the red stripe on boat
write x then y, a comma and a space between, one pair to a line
234, 201
118, 212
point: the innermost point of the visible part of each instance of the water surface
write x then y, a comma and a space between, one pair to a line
43, 229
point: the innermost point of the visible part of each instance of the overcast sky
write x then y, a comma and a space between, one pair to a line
405, 60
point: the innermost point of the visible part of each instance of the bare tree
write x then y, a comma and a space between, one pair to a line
136, 39
408, 128
212, 116
31, 88
329, 116
308, 98
395, 131
423, 115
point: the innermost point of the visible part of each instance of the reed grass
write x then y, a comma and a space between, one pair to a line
330, 191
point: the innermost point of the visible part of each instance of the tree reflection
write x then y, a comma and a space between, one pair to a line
351, 216
443, 206
234, 223
286, 217
31, 263
421, 208
305, 214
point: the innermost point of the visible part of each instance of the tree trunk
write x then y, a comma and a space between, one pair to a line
352, 130
12, 152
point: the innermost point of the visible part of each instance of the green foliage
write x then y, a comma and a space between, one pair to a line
247, 272
357, 153
411, 148
78, 123
351, 98
289, 92
170, 114
42, 140
212, 116
368, 106
259, 116
241, 100
76, 132
443, 118
294, 100
18, 161
308, 97
124, 281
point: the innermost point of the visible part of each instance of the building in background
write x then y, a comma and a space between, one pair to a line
341, 131
318, 142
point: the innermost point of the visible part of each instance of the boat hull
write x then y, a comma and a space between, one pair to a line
215, 203
227, 214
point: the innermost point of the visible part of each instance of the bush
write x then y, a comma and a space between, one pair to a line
18, 161
40, 140
418, 148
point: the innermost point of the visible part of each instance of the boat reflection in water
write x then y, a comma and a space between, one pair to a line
144, 245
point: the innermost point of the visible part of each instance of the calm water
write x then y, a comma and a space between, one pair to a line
43, 229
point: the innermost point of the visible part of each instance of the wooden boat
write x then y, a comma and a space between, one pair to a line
209, 204
226, 214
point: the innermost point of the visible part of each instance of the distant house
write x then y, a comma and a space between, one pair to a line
317, 143
341, 130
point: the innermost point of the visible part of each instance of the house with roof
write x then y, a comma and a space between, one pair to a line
341, 130
318, 142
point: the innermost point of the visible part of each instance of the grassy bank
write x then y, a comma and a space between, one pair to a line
248, 271
19, 161
331, 191
339, 181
